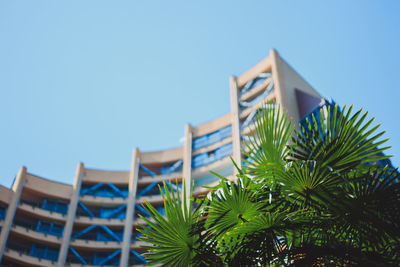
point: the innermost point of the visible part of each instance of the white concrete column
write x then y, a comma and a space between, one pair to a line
11, 209
130, 208
278, 79
237, 156
76, 188
187, 160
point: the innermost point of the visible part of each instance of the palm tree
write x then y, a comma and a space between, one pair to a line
316, 196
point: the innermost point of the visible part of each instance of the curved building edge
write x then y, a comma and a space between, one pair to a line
93, 221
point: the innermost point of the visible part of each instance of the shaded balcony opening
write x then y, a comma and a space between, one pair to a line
33, 249
212, 156
3, 211
83, 257
52, 205
104, 212
104, 190
99, 233
153, 189
39, 225
212, 138
161, 168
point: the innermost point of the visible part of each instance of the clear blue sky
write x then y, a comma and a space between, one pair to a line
90, 80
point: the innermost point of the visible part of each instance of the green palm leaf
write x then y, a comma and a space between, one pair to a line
314, 201
367, 210
230, 205
267, 147
339, 141
172, 243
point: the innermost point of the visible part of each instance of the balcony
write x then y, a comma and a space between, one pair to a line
31, 255
33, 235
146, 180
84, 220
246, 111
22, 258
96, 200
99, 237
212, 138
49, 204
37, 211
90, 258
210, 157
85, 244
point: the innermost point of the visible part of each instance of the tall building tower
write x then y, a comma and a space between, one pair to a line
93, 221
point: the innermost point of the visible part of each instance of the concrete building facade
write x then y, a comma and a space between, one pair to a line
93, 221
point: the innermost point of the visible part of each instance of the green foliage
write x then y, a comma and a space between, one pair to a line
267, 149
170, 237
310, 197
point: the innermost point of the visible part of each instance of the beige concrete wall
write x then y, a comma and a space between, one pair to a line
212, 126
5, 194
86, 221
154, 200
42, 214
103, 201
47, 187
105, 176
146, 180
35, 236
168, 155
95, 245
26, 260
293, 80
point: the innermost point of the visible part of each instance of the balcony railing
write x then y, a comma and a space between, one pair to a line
35, 250
41, 226
51, 205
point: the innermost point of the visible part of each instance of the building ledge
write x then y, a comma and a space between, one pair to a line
21, 258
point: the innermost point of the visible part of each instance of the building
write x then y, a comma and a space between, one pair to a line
93, 221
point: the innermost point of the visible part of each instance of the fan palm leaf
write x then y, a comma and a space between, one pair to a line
230, 205
311, 198
267, 146
339, 141
172, 243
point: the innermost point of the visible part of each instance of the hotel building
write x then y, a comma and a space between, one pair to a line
93, 221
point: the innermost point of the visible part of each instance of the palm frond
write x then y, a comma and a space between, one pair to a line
230, 205
267, 147
339, 141
170, 238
